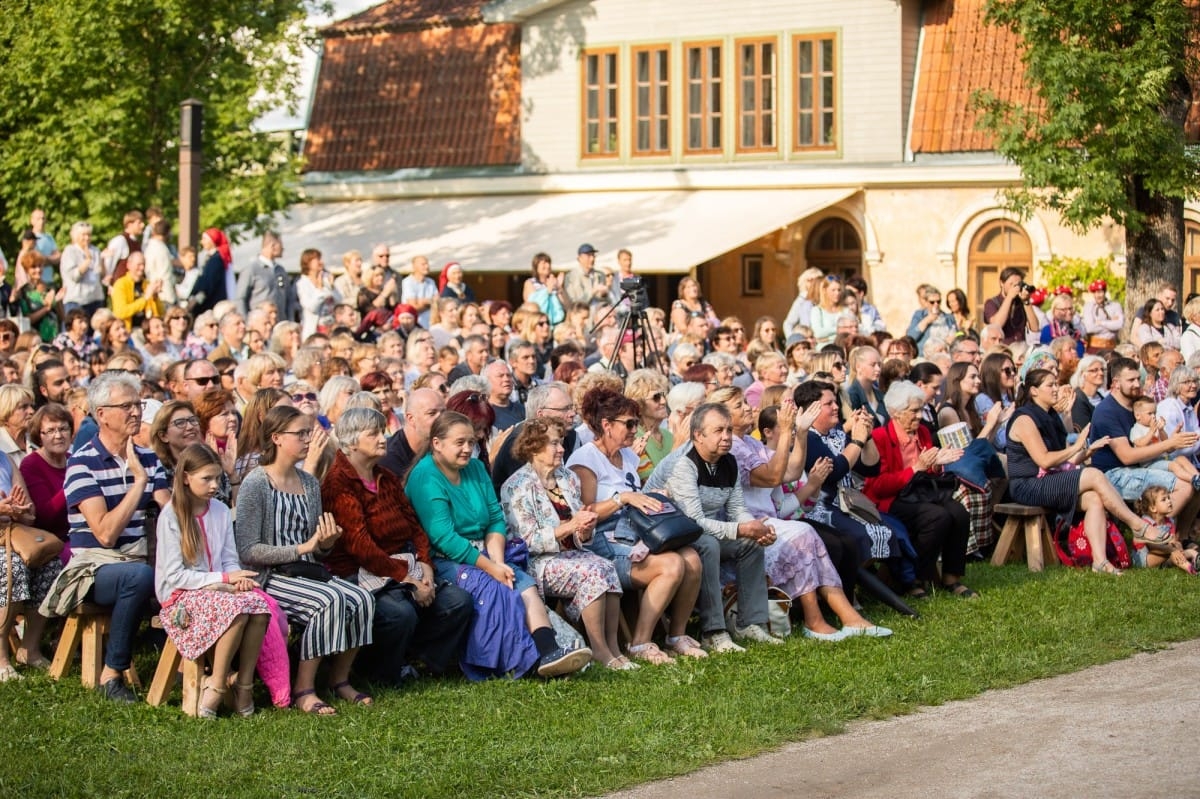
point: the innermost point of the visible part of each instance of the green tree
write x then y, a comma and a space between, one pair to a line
89, 107
1105, 135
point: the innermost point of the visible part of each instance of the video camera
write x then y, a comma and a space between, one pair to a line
634, 290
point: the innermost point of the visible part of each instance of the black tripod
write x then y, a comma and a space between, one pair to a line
634, 321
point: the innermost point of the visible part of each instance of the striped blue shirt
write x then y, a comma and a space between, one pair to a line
93, 471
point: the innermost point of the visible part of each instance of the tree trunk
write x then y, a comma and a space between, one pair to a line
1153, 253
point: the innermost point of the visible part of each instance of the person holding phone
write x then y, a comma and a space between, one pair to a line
929, 316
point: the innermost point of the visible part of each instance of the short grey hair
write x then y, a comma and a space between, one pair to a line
101, 388
202, 320
1178, 375
684, 395
1085, 363
720, 359
305, 359
363, 399
901, 394
539, 397
515, 346
476, 383
354, 422
334, 386
80, 227
703, 412
683, 350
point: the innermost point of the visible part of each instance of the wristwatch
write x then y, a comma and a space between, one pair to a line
616, 497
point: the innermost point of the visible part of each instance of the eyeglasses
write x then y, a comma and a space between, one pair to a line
229, 373
630, 424
184, 423
738, 329
838, 365
304, 397
204, 380
128, 407
565, 409
53, 432
301, 435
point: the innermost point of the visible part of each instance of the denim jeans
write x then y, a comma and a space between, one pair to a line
125, 587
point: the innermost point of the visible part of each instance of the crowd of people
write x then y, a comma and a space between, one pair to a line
414, 480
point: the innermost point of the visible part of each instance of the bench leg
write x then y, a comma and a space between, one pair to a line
92, 655
164, 675
72, 635
1033, 543
193, 679
1008, 536
1051, 559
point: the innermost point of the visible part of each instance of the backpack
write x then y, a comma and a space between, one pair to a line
1073, 549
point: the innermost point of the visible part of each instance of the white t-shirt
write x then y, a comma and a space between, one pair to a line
413, 288
609, 479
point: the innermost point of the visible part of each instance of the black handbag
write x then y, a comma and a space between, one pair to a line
305, 570
926, 488
667, 530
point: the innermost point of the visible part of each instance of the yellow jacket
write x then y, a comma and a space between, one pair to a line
128, 301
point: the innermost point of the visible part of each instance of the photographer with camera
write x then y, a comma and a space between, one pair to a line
1011, 308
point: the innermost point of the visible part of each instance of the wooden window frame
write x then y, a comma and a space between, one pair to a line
759, 113
654, 116
753, 265
817, 110
606, 116
705, 114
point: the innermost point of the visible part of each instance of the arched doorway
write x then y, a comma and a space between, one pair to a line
1191, 257
997, 246
834, 248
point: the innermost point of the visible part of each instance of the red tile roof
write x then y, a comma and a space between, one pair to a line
402, 15
434, 97
960, 54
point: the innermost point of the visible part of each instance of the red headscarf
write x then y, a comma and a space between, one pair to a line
222, 243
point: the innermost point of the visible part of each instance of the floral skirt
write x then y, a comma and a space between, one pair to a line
194, 620
579, 576
798, 562
28, 585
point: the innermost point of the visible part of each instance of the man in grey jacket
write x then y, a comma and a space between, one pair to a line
704, 484
265, 280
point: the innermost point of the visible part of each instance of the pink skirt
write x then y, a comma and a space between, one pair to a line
195, 620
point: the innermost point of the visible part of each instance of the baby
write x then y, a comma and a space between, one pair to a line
1148, 431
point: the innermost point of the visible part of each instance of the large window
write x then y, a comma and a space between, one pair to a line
756, 94
703, 98
997, 246
815, 114
600, 121
651, 100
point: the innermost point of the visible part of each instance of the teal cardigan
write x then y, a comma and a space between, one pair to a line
455, 516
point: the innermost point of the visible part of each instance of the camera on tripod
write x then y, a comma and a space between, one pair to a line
633, 289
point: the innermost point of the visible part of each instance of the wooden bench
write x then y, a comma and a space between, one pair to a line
169, 663
1036, 542
84, 631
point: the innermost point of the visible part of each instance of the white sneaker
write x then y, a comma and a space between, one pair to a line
756, 633
720, 643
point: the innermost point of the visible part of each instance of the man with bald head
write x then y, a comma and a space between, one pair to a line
423, 408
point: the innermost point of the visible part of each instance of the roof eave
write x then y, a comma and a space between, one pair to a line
516, 10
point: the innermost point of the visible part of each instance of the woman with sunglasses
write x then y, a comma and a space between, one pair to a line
607, 471
283, 533
649, 387
998, 374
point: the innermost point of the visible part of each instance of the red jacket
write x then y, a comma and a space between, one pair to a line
893, 475
374, 526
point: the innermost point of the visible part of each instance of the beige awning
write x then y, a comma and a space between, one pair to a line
667, 231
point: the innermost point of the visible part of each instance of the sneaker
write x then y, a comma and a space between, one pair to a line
870, 631
563, 661
720, 643
756, 633
116, 690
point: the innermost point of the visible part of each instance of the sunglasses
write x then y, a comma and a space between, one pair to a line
658, 396
1008, 370
630, 424
205, 380
304, 397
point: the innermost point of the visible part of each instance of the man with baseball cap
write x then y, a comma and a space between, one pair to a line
585, 283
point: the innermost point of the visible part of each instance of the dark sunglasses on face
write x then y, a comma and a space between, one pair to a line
630, 424
304, 397
205, 380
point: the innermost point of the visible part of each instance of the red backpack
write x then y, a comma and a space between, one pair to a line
1073, 549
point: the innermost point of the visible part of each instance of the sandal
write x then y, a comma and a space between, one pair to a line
1159, 544
621, 663
650, 653
685, 645
358, 698
959, 590
1104, 567
316, 707
204, 711
246, 710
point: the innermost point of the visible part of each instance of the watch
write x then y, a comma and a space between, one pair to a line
616, 497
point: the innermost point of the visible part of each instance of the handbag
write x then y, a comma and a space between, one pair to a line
667, 530
779, 608
36, 547
516, 552
929, 488
857, 504
305, 570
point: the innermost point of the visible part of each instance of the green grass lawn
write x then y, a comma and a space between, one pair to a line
599, 731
